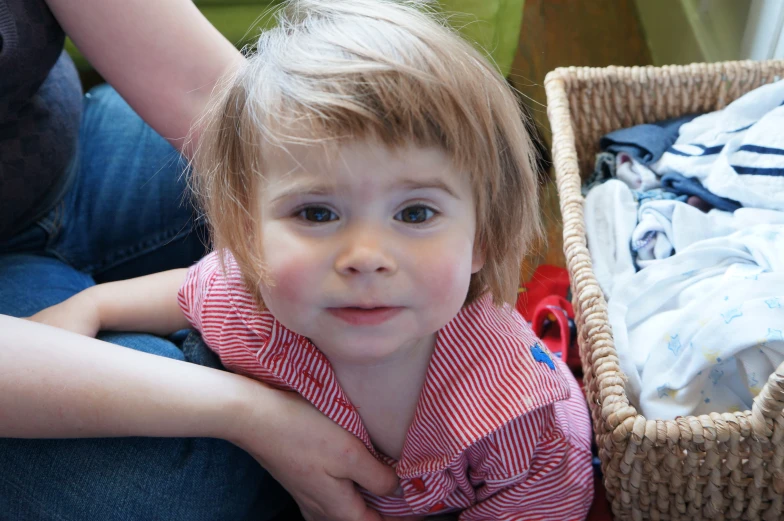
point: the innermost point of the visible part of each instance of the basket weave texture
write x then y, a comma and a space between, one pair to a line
718, 466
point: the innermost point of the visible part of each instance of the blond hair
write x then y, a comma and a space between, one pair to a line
333, 71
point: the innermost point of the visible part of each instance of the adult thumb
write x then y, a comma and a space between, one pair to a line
374, 476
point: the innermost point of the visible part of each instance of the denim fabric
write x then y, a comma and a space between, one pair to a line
123, 216
125, 213
647, 142
678, 184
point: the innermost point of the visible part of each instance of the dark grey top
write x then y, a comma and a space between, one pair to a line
40, 112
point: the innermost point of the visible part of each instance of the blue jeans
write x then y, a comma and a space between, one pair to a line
123, 216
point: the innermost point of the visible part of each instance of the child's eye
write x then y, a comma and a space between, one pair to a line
317, 214
416, 214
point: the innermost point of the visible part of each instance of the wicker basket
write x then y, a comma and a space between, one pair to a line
718, 466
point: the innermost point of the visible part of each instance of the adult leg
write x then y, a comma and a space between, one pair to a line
121, 478
127, 212
124, 215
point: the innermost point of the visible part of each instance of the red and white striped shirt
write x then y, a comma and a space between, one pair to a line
501, 430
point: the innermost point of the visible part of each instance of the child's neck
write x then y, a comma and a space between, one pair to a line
386, 392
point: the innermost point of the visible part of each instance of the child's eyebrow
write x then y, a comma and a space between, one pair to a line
302, 188
299, 189
423, 184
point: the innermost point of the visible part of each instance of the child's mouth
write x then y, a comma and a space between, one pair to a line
357, 316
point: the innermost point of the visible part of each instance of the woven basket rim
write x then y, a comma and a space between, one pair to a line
638, 72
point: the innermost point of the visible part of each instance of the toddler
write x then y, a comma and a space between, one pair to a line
368, 181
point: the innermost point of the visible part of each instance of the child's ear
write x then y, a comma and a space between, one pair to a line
478, 258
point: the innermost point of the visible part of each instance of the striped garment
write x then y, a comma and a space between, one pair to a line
737, 152
501, 430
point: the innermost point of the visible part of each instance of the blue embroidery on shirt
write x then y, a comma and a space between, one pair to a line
773, 303
541, 356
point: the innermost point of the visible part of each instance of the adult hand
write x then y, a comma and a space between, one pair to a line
316, 460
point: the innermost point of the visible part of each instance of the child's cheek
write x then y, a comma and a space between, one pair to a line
448, 279
289, 263
291, 279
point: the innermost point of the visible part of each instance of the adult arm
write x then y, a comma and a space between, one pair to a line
57, 384
163, 56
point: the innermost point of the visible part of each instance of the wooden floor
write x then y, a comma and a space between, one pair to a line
560, 33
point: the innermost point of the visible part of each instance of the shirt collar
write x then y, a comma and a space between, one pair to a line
487, 368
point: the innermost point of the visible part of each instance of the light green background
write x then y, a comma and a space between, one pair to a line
492, 25
690, 31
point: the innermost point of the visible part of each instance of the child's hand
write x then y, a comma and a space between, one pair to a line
78, 314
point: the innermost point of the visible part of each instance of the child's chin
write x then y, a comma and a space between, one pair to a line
368, 350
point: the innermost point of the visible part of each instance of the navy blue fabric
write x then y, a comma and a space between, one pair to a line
647, 142
681, 185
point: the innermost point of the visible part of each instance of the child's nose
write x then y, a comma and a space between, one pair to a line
365, 251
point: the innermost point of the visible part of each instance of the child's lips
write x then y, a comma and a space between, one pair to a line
365, 316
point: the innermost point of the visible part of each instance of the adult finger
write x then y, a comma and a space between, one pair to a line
345, 504
369, 473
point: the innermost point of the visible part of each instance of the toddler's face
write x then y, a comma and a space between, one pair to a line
371, 251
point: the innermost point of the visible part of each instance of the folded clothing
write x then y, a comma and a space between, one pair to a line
603, 171
737, 152
666, 227
610, 219
701, 331
681, 185
636, 175
647, 142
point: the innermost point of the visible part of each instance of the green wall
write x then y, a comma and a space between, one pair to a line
689, 31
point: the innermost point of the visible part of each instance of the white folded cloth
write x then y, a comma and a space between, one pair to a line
702, 330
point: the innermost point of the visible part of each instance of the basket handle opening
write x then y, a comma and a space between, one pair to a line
768, 406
